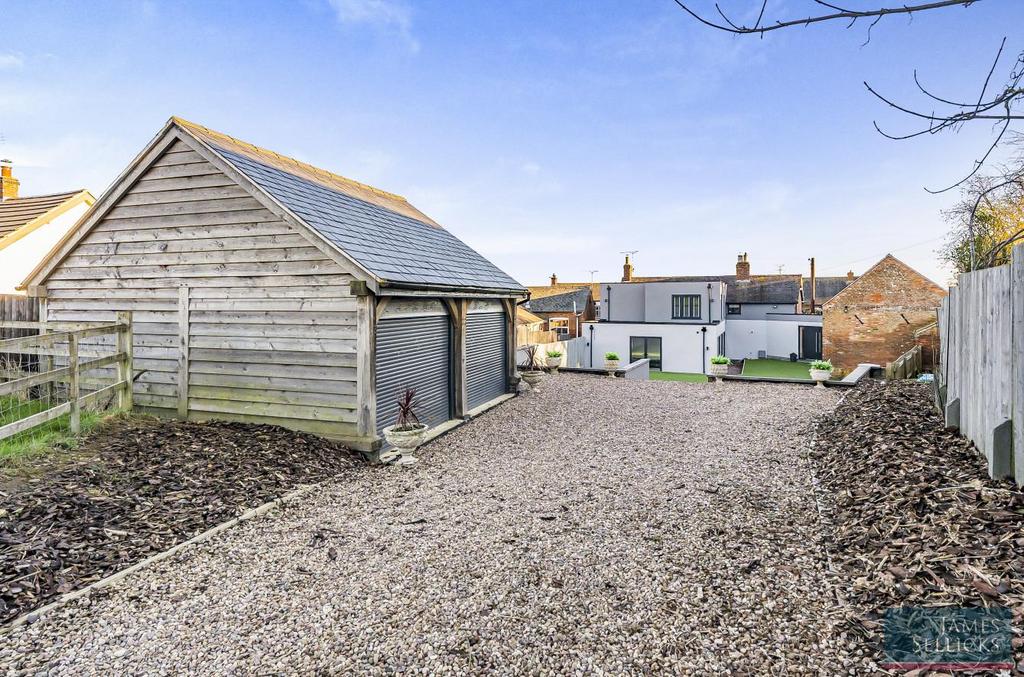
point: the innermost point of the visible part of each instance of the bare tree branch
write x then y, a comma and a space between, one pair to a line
839, 13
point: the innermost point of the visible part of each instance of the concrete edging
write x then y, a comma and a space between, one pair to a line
116, 577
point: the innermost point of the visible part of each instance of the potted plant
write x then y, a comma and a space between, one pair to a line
719, 366
821, 371
554, 359
407, 433
532, 374
611, 362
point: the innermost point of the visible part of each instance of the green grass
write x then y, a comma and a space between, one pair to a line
55, 434
777, 369
678, 376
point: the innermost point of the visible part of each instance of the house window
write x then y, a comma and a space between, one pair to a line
733, 308
559, 325
686, 306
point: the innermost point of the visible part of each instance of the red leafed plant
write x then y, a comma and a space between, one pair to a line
407, 405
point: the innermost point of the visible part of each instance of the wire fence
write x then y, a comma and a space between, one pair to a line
56, 382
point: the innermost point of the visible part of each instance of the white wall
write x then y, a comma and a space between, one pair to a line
681, 345
778, 337
20, 258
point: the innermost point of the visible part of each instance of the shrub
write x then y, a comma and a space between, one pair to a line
554, 353
719, 359
530, 358
407, 405
611, 356
824, 365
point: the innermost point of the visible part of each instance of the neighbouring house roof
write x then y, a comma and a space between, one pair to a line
870, 272
381, 231
18, 212
774, 289
541, 291
825, 288
524, 316
559, 303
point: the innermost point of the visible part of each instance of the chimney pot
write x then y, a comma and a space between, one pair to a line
627, 270
554, 279
742, 267
8, 184
849, 275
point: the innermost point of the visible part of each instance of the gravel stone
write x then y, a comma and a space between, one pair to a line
593, 525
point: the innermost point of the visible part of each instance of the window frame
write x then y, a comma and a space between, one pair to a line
562, 328
695, 299
729, 309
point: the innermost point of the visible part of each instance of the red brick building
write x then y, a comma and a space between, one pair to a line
874, 318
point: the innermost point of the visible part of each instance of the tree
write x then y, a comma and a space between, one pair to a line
987, 222
986, 198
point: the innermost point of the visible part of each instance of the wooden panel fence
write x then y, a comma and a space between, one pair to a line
907, 365
980, 380
61, 357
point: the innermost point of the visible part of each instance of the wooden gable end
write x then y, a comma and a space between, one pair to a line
238, 313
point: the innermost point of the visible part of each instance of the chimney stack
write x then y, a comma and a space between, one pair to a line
627, 270
554, 280
849, 276
742, 267
8, 184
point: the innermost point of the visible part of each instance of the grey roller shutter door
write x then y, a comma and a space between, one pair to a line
485, 357
414, 352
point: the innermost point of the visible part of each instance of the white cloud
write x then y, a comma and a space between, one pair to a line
384, 14
11, 61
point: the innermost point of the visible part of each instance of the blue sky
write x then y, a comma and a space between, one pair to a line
551, 136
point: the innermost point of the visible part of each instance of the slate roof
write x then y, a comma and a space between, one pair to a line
379, 230
16, 212
825, 288
558, 303
540, 291
774, 289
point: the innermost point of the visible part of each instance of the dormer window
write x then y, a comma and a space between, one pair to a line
686, 306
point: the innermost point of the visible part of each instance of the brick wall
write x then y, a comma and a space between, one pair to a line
874, 320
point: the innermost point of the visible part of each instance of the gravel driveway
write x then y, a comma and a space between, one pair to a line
593, 525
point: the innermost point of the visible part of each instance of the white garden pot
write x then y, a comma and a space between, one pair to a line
718, 370
820, 376
532, 377
553, 362
404, 442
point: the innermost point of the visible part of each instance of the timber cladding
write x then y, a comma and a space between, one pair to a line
873, 319
226, 296
257, 294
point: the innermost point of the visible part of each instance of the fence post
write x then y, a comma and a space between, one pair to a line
125, 369
76, 414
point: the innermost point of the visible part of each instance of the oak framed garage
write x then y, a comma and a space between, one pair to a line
267, 290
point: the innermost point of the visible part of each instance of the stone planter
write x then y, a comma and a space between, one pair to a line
553, 363
820, 376
718, 370
404, 442
532, 378
611, 366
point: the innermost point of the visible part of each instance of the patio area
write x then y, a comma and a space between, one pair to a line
593, 524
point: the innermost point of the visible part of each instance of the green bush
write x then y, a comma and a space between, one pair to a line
824, 365
554, 353
611, 356
719, 359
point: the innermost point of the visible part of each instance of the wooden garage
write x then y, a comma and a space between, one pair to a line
264, 289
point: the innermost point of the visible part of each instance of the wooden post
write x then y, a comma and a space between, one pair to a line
76, 414
183, 346
45, 361
366, 333
125, 369
460, 313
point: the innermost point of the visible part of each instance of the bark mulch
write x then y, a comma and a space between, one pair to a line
136, 487
915, 520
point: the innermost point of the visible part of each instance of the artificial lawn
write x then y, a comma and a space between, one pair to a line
678, 376
777, 369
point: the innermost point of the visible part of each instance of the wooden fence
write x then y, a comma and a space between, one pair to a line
980, 380
58, 353
14, 308
907, 365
